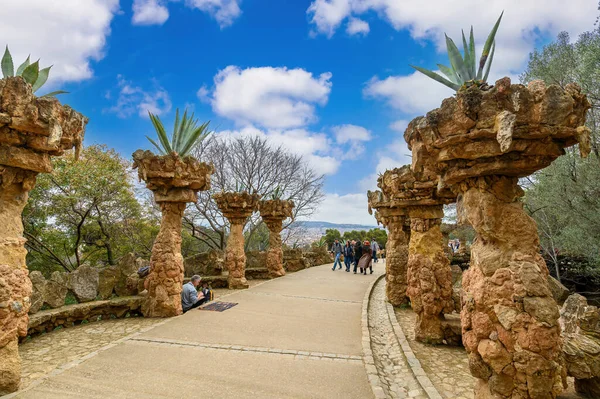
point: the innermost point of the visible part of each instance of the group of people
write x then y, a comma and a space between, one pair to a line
361, 255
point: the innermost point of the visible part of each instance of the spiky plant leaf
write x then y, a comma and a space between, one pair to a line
195, 137
31, 72
488, 45
41, 79
22, 67
161, 133
54, 93
489, 64
473, 65
449, 72
176, 126
437, 77
159, 148
8, 68
466, 56
456, 60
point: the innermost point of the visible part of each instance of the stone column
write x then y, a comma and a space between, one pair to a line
275, 252
235, 257
509, 317
174, 181
15, 286
165, 280
396, 257
429, 274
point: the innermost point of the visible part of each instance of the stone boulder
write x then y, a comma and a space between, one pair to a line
580, 323
456, 286
37, 294
208, 263
83, 282
107, 281
256, 260
559, 291
56, 289
128, 264
293, 260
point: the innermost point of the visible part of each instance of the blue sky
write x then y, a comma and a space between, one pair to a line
328, 78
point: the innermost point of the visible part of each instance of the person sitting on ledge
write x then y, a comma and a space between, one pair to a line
192, 298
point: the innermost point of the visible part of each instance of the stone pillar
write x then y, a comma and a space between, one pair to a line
235, 257
165, 280
275, 252
396, 258
15, 286
509, 318
429, 274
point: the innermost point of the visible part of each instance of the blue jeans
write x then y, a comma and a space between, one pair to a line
348, 261
337, 260
374, 256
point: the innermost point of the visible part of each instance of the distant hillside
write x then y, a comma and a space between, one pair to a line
327, 225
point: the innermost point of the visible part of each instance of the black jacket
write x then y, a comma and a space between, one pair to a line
358, 250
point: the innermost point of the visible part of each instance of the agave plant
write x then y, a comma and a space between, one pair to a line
30, 72
321, 243
463, 69
186, 136
277, 193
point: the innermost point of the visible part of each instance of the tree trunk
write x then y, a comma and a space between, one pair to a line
509, 317
165, 281
15, 286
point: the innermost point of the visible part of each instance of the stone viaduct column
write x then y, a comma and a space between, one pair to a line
32, 130
395, 219
237, 208
481, 142
273, 213
429, 274
175, 181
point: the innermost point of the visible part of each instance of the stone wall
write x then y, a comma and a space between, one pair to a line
87, 283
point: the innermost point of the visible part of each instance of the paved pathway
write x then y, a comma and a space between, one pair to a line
294, 337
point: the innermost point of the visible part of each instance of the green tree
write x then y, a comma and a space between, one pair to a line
564, 198
85, 211
331, 235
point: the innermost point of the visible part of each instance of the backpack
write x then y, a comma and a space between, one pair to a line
143, 271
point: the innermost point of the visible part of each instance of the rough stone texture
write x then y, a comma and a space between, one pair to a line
581, 335
38, 288
479, 143
174, 182
429, 275
456, 286
69, 315
294, 260
273, 213
166, 265
208, 263
396, 220
560, 293
83, 282
31, 130
107, 281
236, 207
317, 257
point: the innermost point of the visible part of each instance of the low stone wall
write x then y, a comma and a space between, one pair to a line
87, 283
70, 315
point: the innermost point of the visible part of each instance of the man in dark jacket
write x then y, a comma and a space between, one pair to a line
348, 255
357, 253
337, 250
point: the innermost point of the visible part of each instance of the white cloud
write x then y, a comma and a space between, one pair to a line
277, 98
133, 99
349, 208
399, 126
412, 94
68, 36
224, 11
327, 15
313, 147
203, 94
350, 139
149, 12
357, 27
155, 12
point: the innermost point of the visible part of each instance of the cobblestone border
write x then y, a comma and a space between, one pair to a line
412, 360
369, 361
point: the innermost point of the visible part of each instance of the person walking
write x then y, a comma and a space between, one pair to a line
374, 249
357, 253
365, 261
348, 255
337, 251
